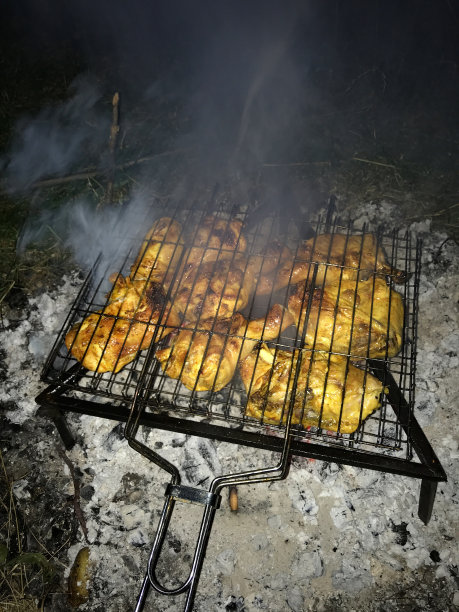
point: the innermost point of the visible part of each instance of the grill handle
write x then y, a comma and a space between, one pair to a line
176, 492
211, 500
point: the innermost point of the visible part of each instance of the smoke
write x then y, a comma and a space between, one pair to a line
246, 79
231, 66
109, 233
58, 138
245, 84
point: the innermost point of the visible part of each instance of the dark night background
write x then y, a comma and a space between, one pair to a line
400, 58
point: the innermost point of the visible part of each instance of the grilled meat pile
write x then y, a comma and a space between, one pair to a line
193, 286
363, 319
206, 359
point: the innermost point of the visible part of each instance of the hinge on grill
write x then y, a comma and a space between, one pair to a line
193, 496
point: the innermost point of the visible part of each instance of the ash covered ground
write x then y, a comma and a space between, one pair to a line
328, 537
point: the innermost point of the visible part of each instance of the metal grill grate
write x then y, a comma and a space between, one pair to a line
286, 412
143, 378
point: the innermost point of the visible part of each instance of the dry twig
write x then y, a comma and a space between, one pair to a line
93, 172
114, 131
375, 163
437, 213
76, 496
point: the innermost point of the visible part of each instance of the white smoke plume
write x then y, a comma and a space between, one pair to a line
58, 138
89, 232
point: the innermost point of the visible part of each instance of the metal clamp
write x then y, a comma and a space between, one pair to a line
193, 495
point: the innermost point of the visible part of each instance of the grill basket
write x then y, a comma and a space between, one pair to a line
141, 394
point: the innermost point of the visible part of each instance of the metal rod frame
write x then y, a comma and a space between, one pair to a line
289, 441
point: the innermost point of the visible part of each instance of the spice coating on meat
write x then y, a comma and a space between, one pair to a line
160, 253
363, 319
107, 340
213, 289
136, 311
330, 392
214, 239
206, 358
329, 258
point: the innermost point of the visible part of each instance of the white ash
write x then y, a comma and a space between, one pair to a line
328, 537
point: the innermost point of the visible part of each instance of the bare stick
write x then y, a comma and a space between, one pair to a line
437, 213
76, 495
92, 172
114, 131
374, 163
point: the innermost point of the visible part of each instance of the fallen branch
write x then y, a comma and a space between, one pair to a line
76, 495
443, 210
374, 163
93, 172
437, 213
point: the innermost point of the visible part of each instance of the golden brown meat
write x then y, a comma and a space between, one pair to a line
137, 310
206, 359
262, 266
338, 257
331, 393
212, 280
364, 319
220, 287
214, 239
160, 253
213, 289
107, 340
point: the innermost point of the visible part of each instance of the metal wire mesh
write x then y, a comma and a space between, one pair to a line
144, 385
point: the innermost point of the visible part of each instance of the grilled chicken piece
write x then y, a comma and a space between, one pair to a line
222, 286
262, 267
214, 239
363, 319
330, 393
205, 359
213, 289
338, 257
107, 340
160, 253
212, 280
137, 310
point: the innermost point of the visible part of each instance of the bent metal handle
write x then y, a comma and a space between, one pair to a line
211, 500
175, 493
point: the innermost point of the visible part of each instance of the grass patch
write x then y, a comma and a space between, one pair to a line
26, 577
